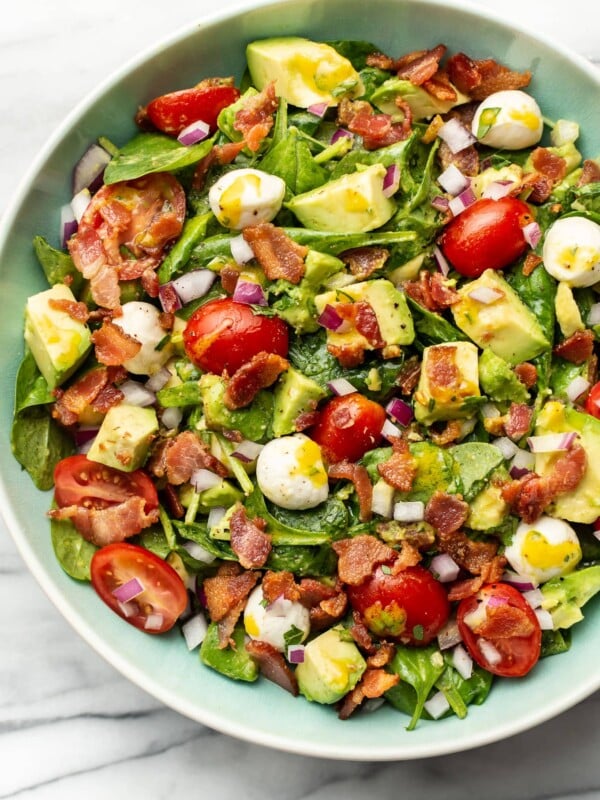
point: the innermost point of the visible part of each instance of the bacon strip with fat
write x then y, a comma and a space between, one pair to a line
249, 541
278, 254
179, 457
358, 475
102, 526
261, 371
359, 556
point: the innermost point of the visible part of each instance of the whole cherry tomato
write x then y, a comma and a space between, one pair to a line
347, 427
173, 112
223, 335
592, 401
487, 235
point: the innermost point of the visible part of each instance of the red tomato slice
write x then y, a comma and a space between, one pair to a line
348, 427
498, 615
411, 607
173, 112
487, 235
224, 335
81, 482
163, 597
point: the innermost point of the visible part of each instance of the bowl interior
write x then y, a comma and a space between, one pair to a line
563, 85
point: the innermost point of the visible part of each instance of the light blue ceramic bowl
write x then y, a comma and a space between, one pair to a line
564, 86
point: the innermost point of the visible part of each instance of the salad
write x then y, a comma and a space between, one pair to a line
315, 377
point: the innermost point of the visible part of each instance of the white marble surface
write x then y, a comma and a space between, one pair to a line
70, 725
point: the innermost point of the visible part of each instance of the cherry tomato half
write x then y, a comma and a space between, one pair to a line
592, 401
347, 427
487, 235
81, 482
411, 607
224, 335
489, 617
163, 598
173, 112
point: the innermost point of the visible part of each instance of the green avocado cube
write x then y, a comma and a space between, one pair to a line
449, 377
294, 394
124, 437
331, 668
422, 104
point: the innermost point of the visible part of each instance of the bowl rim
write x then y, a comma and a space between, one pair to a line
136, 675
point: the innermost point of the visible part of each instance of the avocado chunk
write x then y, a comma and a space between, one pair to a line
234, 662
564, 596
58, 342
353, 203
488, 509
391, 310
449, 376
294, 394
305, 72
583, 503
506, 325
510, 172
567, 311
124, 437
498, 381
422, 104
331, 668
252, 422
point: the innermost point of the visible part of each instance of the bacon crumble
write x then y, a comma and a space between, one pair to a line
261, 371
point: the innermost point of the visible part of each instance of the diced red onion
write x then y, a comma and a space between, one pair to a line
295, 654
437, 705
247, 451
390, 431
545, 619
391, 180
341, 387
522, 463
577, 387
489, 652
194, 630
203, 479
594, 315
194, 133
440, 203
136, 394
453, 181
441, 261
400, 411
171, 417
495, 601
534, 597
153, 622
329, 318
79, 203
409, 511
521, 582
250, 293
463, 200
498, 189
88, 171
157, 381
456, 136
68, 224
194, 284
198, 552
444, 568
485, 295
596, 534
215, 515
506, 446
382, 501
84, 433
449, 635
551, 442
532, 234
169, 299
129, 609
85, 447
241, 250
340, 133
318, 109
490, 411
518, 472
127, 591
462, 662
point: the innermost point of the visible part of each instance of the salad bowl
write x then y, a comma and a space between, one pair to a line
562, 84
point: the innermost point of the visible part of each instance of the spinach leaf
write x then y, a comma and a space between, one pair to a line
317, 562
555, 642
154, 539
197, 532
461, 693
235, 661
419, 668
355, 50
562, 373
590, 546
292, 161
38, 444
72, 551
31, 387
57, 265
432, 328
153, 152
194, 230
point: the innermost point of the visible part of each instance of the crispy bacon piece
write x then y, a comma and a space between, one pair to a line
451, 432
407, 379
326, 604
432, 291
361, 635
468, 554
382, 655
549, 164
169, 298
219, 154
278, 255
280, 584
349, 355
365, 321
467, 159
113, 346
408, 556
102, 526
590, 173
441, 367
578, 348
532, 260
421, 65
539, 186
306, 420
518, 420
376, 129
229, 276
255, 119
261, 371
226, 594
94, 390
358, 475
374, 683
179, 457
446, 512
364, 261
481, 78
249, 541
463, 72
401, 467
358, 557
503, 622
440, 87
173, 502
526, 373
76, 310
491, 572
273, 665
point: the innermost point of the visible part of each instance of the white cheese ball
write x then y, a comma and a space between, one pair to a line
246, 197
141, 322
544, 549
510, 119
571, 251
291, 474
270, 623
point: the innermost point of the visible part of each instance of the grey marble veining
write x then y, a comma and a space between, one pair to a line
70, 725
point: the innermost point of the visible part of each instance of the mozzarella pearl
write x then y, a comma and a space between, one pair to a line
510, 119
141, 322
545, 549
291, 474
571, 251
270, 623
244, 197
